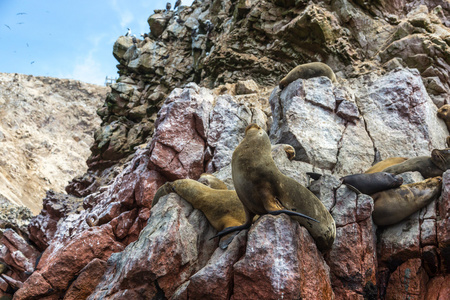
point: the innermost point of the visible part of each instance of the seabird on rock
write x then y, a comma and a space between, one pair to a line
177, 4
194, 32
134, 39
168, 6
178, 19
165, 56
128, 32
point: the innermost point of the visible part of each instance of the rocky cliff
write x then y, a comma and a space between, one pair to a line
186, 93
46, 129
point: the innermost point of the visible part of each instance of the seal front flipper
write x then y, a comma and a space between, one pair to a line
291, 213
351, 187
232, 229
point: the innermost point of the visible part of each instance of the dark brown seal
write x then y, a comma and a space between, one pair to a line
428, 166
380, 166
263, 189
392, 206
372, 183
306, 71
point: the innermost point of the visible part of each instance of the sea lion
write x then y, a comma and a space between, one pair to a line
306, 71
380, 166
428, 166
221, 207
212, 181
444, 114
372, 183
392, 206
263, 189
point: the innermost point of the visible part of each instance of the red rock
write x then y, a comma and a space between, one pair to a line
17, 253
122, 224
64, 262
283, 264
86, 282
173, 246
35, 285
408, 281
214, 281
147, 186
438, 288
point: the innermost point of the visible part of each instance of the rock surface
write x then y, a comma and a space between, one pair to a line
46, 129
181, 106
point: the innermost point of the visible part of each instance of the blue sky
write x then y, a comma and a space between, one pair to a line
69, 39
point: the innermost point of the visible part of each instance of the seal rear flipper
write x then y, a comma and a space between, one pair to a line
291, 213
226, 240
351, 187
232, 229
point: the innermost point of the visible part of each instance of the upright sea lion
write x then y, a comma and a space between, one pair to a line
444, 114
372, 183
306, 71
380, 166
263, 189
428, 166
392, 206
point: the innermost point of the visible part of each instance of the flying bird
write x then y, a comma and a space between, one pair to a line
8, 26
168, 6
177, 4
28, 45
20, 23
32, 62
21, 13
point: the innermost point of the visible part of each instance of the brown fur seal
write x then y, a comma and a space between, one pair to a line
306, 71
372, 183
428, 166
444, 114
380, 166
394, 205
263, 189
221, 207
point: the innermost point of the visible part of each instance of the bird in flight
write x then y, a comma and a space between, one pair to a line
21, 13
8, 26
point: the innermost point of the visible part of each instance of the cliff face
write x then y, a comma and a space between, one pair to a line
186, 94
46, 129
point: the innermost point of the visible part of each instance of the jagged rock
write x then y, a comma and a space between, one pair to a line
305, 119
438, 287
58, 267
14, 217
144, 268
86, 282
178, 146
246, 87
45, 129
17, 254
56, 206
285, 263
121, 46
408, 281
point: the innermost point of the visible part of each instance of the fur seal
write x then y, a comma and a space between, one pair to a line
444, 114
428, 166
263, 189
392, 206
380, 166
306, 71
221, 207
372, 183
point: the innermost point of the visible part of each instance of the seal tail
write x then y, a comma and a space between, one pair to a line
291, 213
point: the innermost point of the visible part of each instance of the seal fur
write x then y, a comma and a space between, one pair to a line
373, 182
380, 166
428, 166
306, 71
394, 205
263, 189
444, 113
